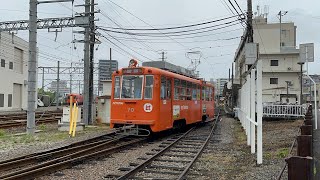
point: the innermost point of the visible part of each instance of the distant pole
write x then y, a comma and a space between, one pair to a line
110, 63
229, 75
58, 86
32, 67
162, 56
71, 80
42, 79
79, 87
287, 91
301, 82
280, 28
232, 98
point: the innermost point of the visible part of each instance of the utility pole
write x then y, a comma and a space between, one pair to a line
32, 67
249, 22
86, 61
280, 16
58, 86
71, 80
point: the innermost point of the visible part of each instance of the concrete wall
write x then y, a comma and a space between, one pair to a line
18, 75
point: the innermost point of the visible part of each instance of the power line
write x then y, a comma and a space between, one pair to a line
176, 27
158, 34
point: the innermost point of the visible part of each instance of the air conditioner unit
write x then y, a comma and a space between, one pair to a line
289, 68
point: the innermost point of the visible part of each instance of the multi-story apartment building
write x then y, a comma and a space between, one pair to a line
281, 71
13, 72
220, 86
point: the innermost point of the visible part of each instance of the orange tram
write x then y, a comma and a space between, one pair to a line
154, 99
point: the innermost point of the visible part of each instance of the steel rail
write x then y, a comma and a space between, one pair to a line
60, 148
148, 161
182, 175
69, 160
46, 156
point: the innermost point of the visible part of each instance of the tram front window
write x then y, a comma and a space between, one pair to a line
131, 87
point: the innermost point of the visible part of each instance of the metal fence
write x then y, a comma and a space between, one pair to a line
284, 111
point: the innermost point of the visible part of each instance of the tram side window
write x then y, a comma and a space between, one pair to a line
189, 89
198, 92
148, 87
194, 92
116, 88
203, 94
168, 88
163, 94
176, 89
183, 90
207, 94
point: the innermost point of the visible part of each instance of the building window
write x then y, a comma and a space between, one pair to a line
9, 100
10, 65
1, 100
274, 63
3, 63
273, 80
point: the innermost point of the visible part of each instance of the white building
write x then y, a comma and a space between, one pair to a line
281, 70
63, 87
220, 85
13, 72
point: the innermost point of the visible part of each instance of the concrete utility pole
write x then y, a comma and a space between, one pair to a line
249, 22
288, 83
58, 86
280, 16
92, 42
86, 61
32, 67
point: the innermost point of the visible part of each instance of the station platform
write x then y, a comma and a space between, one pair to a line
316, 152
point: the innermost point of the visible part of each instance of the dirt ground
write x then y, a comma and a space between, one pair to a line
229, 157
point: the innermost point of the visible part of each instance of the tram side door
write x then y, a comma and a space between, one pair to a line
166, 102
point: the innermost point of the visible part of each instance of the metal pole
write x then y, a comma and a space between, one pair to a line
280, 14
43, 79
253, 110
71, 80
86, 65
259, 112
232, 95
301, 81
287, 91
110, 63
32, 67
79, 87
162, 56
58, 86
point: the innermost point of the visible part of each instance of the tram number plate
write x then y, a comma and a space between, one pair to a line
130, 109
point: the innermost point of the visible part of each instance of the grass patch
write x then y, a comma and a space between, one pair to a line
42, 127
2, 133
267, 155
283, 152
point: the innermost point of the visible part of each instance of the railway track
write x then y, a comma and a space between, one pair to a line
35, 165
17, 120
173, 158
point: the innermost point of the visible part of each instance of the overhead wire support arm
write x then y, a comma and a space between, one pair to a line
46, 23
54, 1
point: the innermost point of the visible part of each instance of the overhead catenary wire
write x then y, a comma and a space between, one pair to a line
164, 35
175, 27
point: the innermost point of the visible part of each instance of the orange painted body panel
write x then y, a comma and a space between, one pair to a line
164, 111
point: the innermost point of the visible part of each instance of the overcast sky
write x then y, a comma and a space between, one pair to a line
217, 55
